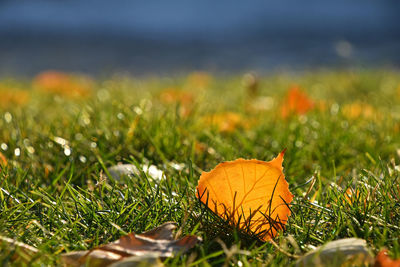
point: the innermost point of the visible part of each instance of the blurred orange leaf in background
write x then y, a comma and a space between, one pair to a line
383, 260
252, 195
10, 97
296, 103
64, 84
358, 109
184, 98
224, 122
3, 160
198, 80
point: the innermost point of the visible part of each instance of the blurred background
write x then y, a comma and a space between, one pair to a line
177, 36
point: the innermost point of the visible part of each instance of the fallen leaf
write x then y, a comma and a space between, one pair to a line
158, 242
96, 258
139, 261
198, 80
383, 260
184, 98
3, 160
252, 195
10, 97
358, 109
296, 103
342, 252
64, 84
224, 122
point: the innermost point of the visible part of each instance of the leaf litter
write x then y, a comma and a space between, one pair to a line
156, 243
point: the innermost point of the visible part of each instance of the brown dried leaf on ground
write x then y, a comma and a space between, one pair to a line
158, 242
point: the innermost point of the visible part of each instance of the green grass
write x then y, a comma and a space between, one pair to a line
58, 201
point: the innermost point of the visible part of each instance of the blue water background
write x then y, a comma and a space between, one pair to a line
159, 37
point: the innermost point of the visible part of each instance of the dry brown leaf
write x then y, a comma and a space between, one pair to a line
158, 241
342, 252
383, 260
139, 261
252, 195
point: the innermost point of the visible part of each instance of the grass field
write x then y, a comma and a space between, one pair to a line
59, 135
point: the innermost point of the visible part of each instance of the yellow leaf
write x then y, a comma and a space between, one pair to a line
253, 195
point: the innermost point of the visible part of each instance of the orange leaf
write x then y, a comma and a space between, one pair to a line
383, 260
174, 96
10, 97
224, 122
296, 102
63, 84
356, 110
198, 80
253, 195
3, 160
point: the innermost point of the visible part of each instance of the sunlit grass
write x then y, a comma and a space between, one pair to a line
342, 160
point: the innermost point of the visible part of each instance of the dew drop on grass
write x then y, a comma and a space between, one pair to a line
30, 149
315, 124
78, 136
67, 151
211, 151
17, 152
86, 120
61, 141
334, 109
303, 119
4, 146
82, 159
103, 95
120, 116
299, 144
177, 166
138, 110
8, 117
274, 144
